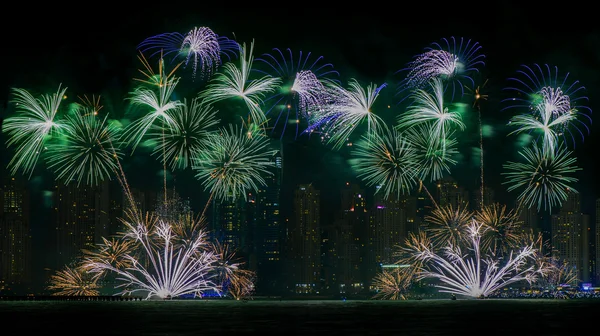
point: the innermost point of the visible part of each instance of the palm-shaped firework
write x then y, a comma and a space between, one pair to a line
36, 121
303, 80
344, 110
201, 48
550, 105
453, 60
235, 82
429, 109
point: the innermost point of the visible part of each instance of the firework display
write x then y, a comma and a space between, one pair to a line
302, 86
473, 271
167, 253
74, 281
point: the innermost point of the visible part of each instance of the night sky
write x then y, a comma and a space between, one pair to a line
94, 52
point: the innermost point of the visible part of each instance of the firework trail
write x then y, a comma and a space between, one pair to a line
303, 79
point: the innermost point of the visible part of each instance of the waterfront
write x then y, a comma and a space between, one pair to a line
222, 317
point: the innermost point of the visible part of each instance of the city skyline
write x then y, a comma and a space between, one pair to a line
243, 232
347, 109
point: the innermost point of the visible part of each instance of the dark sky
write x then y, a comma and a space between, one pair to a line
94, 52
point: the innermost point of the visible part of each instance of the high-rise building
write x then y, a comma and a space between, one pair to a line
423, 207
15, 235
570, 240
597, 243
354, 240
389, 227
449, 193
268, 230
146, 200
531, 220
228, 224
305, 241
82, 219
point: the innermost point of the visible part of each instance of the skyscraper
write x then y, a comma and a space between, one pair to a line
597, 243
570, 236
82, 219
450, 193
15, 235
228, 223
268, 231
355, 240
305, 241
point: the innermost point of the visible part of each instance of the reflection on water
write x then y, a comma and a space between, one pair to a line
221, 317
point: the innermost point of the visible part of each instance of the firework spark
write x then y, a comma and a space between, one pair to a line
449, 225
393, 284
233, 163
200, 46
434, 157
347, 109
184, 139
234, 280
555, 105
474, 273
303, 79
235, 82
384, 158
544, 180
429, 109
165, 265
502, 232
155, 99
451, 60
74, 281
30, 129
85, 150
